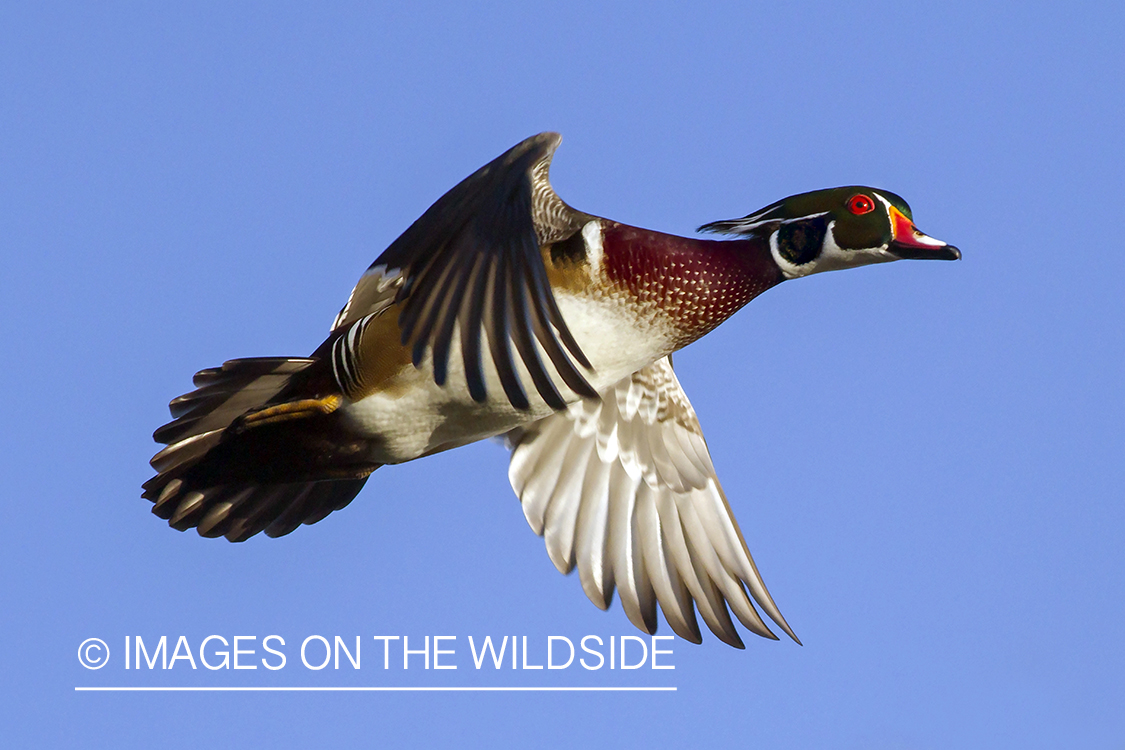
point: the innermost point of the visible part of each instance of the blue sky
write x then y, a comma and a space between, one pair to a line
926, 459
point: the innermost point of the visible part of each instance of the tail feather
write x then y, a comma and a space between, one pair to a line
212, 490
185, 451
225, 393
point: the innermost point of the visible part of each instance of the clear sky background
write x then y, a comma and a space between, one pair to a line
926, 458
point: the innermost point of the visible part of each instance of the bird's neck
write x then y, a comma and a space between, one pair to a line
695, 284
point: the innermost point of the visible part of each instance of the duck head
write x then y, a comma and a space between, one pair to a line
836, 228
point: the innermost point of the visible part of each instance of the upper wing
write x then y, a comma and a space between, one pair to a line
473, 259
625, 488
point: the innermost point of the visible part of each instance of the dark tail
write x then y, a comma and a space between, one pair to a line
226, 482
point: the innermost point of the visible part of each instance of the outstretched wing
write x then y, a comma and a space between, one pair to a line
624, 488
473, 260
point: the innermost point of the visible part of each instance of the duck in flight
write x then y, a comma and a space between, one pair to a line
502, 311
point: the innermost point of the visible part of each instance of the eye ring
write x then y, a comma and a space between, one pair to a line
860, 204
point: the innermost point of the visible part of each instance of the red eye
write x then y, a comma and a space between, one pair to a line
860, 204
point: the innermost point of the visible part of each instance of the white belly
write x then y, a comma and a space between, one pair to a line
415, 416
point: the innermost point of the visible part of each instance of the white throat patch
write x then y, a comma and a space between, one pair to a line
832, 257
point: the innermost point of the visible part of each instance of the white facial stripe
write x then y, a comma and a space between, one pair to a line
835, 257
829, 251
748, 224
745, 227
751, 223
788, 270
915, 236
832, 257
805, 218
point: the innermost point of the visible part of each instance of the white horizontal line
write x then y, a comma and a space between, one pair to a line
506, 689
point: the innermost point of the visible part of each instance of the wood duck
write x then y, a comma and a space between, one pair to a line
503, 311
